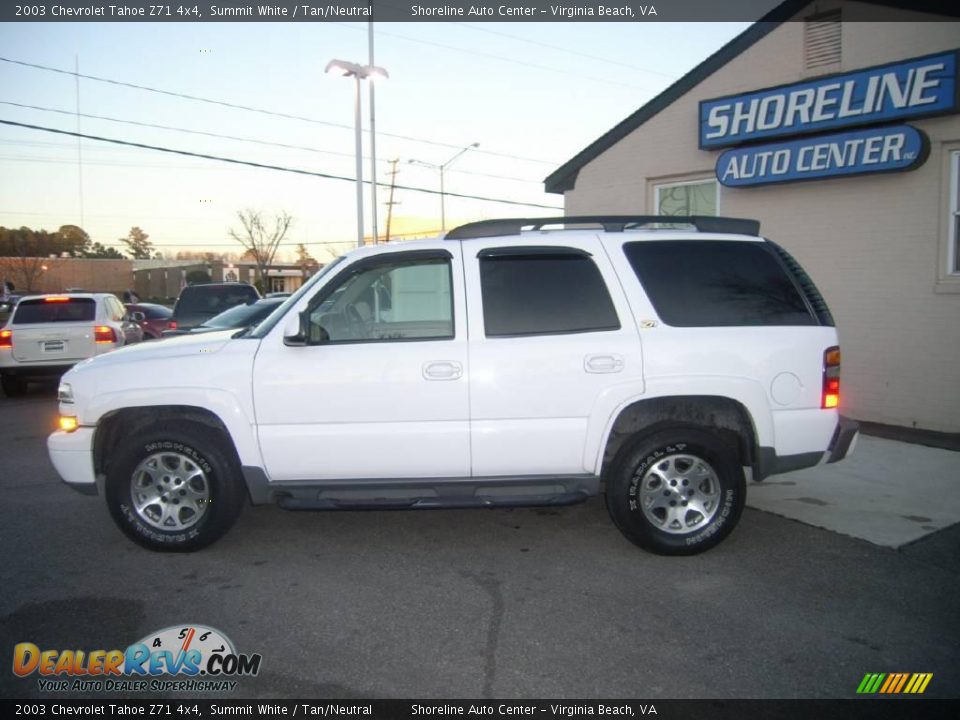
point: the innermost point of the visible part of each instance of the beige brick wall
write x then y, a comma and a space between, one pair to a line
95, 275
874, 245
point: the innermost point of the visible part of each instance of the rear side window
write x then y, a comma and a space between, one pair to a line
550, 291
701, 283
50, 310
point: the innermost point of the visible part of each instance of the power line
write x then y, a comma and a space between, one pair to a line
571, 51
256, 141
262, 111
265, 166
494, 56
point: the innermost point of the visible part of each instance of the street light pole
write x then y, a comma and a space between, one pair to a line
373, 137
359, 151
358, 72
442, 168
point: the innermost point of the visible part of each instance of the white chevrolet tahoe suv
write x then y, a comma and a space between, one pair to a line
506, 364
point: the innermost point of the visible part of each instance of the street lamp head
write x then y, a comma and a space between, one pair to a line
475, 145
344, 68
374, 72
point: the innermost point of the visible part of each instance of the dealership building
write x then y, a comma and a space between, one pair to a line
837, 125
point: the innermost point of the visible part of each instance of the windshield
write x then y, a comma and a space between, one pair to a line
242, 315
263, 328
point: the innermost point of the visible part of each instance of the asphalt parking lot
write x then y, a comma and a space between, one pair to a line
471, 604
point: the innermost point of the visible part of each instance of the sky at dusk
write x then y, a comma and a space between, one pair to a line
531, 94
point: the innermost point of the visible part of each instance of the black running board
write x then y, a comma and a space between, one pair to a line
423, 494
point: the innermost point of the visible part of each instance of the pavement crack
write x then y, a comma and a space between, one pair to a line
491, 586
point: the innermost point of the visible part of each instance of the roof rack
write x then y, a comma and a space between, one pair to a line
610, 223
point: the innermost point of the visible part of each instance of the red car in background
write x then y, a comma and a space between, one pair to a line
156, 318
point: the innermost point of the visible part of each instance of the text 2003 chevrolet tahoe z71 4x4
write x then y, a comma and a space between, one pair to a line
495, 367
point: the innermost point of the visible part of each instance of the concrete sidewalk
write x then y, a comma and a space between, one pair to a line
887, 492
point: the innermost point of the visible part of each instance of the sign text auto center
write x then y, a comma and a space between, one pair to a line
879, 97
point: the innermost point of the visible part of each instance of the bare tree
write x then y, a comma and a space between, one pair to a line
260, 238
23, 261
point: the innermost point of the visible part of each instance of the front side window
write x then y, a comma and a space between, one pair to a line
386, 301
551, 291
698, 197
716, 283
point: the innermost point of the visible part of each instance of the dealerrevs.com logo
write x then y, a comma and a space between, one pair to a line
198, 658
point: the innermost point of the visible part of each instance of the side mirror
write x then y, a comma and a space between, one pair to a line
295, 329
137, 317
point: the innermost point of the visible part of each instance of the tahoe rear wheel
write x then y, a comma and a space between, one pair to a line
676, 492
174, 487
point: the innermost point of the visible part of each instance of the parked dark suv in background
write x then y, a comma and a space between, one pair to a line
198, 303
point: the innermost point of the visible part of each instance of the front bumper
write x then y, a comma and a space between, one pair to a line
72, 455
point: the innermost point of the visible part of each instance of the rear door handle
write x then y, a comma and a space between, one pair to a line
442, 370
603, 363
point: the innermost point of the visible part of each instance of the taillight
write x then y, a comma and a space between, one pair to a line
6, 338
831, 378
172, 325
56, 299
103, 334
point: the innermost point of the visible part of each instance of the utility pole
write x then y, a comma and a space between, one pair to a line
390, 203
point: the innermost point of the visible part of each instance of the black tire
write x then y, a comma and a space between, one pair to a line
688, 514
13, 386
151, 462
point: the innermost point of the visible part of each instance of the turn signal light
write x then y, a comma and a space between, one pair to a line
6, 338
831, 378
68, 423
103, 334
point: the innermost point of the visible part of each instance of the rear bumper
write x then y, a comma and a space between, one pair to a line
842, 442
844, 439
72, 456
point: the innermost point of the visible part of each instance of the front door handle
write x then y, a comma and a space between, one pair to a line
603, 363
442, 370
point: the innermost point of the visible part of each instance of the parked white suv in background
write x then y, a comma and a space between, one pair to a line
48, 334
495, 367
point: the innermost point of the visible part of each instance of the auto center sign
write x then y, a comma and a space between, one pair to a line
877, 96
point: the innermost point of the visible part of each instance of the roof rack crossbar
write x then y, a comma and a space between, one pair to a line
610, 223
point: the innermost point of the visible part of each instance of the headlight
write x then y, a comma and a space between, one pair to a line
65, 393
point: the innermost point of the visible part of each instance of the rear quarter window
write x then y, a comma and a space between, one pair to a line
50, 311
717, 283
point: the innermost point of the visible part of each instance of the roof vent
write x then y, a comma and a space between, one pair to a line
822, 40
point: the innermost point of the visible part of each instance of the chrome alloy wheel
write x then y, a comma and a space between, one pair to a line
169, 491
680, 493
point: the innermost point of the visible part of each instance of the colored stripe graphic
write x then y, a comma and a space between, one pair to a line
894, 683
903, 681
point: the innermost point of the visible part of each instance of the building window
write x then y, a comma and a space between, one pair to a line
822, 35
696, 197
954, 219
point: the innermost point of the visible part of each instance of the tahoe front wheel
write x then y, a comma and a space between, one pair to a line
174, 487
676, 492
